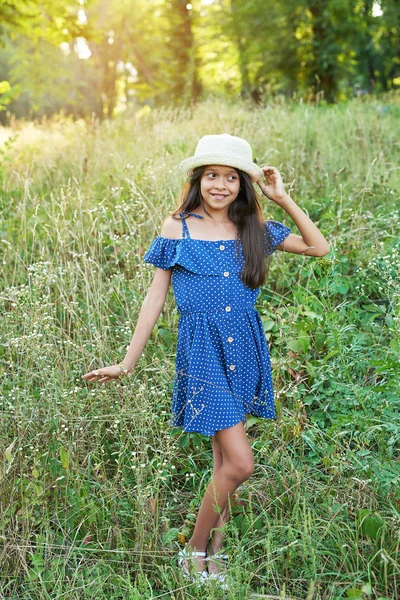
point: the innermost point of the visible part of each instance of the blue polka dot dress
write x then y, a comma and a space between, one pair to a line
223, 369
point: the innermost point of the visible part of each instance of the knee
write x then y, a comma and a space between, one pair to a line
240, 470
246, 468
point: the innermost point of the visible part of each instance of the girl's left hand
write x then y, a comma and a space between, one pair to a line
275, 190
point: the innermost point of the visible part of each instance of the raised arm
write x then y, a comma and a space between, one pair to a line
311, 241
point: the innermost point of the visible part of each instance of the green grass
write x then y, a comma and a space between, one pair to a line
95, 486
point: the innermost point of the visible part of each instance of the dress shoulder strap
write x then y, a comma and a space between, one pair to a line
185, 229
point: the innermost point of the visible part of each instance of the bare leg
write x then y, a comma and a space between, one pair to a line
217, 537
237, 466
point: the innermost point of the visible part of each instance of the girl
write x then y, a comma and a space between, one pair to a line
213, 249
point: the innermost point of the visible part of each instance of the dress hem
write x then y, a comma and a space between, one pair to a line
212, 434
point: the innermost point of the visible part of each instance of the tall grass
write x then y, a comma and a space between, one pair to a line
97, 492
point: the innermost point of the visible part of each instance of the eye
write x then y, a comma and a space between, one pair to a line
232, 177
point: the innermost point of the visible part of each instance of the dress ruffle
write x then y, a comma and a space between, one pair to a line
162, 252
197, 256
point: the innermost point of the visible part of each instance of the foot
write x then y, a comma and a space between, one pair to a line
193, 563
215, 565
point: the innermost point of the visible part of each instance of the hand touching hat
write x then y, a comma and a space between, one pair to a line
274, 189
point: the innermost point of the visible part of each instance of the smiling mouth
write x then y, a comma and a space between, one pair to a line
219, 196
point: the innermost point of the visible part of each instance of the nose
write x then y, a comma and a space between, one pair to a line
219, 183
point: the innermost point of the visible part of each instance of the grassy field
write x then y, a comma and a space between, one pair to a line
97, 491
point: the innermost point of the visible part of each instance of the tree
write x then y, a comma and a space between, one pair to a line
52, 20
40, 21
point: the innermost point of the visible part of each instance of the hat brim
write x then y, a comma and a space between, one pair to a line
250, 168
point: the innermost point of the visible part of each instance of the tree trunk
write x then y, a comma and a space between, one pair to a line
185, 83
245, 87
323, 73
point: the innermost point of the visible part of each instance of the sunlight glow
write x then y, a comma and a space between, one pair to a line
65, 48
131, 70
82, 49
377, 9
207, 2
82, 18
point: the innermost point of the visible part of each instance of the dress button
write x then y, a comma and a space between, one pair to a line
232, 367
230, 339
222, 247
226, 274
227, 308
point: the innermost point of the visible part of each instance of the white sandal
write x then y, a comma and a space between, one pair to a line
220, 577
197, 576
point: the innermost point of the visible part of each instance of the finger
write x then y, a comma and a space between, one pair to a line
264, 191
92, 374
87, 375
95, 375
269, 176
104, 379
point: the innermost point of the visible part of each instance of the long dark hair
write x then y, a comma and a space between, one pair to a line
245, 212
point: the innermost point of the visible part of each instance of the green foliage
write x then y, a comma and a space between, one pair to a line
102, 57
54, 21
5, 94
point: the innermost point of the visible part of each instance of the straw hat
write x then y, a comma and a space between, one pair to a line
223, 149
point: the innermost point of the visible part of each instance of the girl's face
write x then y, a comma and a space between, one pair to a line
219, 185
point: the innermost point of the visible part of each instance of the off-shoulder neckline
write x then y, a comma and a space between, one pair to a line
197, 240
200, 240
